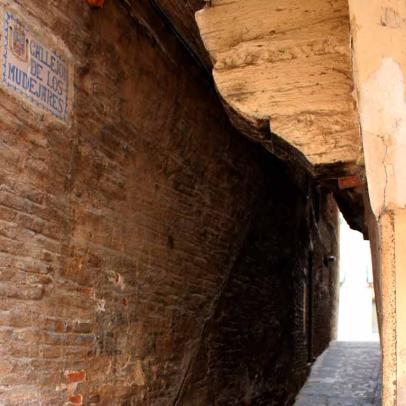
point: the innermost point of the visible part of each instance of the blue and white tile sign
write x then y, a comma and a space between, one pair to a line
36, 72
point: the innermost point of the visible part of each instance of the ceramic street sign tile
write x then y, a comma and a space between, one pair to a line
33, 69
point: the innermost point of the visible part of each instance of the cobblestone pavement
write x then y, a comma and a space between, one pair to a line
346, 374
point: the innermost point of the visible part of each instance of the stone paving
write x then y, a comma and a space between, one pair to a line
346, 374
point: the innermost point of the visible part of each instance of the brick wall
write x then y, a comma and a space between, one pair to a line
149, 254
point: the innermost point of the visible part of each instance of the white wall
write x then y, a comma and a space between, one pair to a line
356, 294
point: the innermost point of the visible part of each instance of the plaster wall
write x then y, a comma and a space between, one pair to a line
379, 32
379, 73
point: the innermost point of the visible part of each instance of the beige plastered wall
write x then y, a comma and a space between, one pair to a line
379, 60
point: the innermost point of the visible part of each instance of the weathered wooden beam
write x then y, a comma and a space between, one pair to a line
288, 63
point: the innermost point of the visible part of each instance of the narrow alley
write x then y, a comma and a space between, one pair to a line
202, 203
346, 374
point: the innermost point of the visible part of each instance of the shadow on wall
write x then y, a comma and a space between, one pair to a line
255, 347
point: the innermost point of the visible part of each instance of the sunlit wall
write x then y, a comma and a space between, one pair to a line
357, 316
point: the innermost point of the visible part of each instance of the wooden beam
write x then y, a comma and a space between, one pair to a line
289, 63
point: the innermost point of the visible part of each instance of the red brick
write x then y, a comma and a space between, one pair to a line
89, 292
96, 3
349, 182
75, 376
76, 399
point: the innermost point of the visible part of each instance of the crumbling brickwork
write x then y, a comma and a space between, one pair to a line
149, 254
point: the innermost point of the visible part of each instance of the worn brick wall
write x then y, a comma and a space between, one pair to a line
256, 346
325, 276
149, 254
